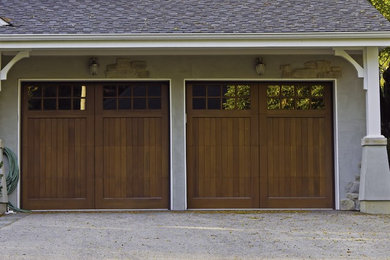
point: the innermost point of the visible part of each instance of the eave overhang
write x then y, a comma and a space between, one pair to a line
193, 40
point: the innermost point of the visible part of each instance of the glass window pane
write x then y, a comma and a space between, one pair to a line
303, 91
139, 91
317, 91
154, 103
229, 103
242, 90
273, 91
124, 91
109, 91
303, 104
64, 104
199, 91
154, 91
34, 104
34, 91
213, 91
49, 104
273, 103
199, 103
243, 103
213, 103
65, 91
50, 91
79, 104
109, 103
139, 103
317, 103
77, 91
287, 91
229, 91
124, 103
287, 103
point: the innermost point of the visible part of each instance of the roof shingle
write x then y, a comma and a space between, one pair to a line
189, 16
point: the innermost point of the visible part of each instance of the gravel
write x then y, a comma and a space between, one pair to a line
195, 235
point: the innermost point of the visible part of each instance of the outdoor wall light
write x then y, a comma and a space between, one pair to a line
93, 66
260, 66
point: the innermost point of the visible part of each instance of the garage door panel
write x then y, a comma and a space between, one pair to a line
57, 150
222, 158
132, 146
132, 157
297, 145
221, 147
295, 157
57, 158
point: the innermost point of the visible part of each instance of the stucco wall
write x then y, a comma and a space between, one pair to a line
350, 98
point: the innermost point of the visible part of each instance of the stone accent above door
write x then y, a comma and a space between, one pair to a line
127, 68
311, 69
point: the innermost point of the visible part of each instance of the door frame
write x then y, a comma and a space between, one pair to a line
89, 80
336, 176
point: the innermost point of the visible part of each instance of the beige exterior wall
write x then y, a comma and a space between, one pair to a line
350, 99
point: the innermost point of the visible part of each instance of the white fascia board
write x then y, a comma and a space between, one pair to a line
153, 41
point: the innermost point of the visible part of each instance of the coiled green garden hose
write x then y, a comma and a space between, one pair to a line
12, 177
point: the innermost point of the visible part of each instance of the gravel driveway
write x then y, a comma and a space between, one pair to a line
195, 235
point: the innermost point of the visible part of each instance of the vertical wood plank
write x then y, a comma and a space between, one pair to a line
60, 157
293, 156
77, 158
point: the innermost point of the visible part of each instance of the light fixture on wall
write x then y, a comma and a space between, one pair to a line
93, 66
260, 66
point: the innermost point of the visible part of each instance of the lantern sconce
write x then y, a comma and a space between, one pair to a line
260, 66
93, 66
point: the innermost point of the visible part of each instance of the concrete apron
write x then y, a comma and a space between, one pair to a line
374, 192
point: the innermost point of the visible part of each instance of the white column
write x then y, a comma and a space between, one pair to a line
374, 192
371, 82
178, 145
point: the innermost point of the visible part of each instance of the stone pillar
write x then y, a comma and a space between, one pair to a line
374, 192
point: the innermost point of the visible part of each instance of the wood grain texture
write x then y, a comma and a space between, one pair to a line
297, 153
57, 157
132, 156
94, 158
221, 150
260, 158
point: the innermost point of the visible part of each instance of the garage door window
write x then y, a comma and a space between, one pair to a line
295, 97
126, 97
44, 97
221, 97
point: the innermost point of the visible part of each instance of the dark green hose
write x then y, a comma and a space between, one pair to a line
12, 177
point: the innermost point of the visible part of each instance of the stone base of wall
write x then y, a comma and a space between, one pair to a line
375, 207
351, 202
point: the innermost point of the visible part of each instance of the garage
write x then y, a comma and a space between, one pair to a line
95, 145
259, 144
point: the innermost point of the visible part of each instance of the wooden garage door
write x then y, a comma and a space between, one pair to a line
90, 145
266, 145
222, 145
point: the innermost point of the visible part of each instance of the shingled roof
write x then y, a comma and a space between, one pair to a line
189, 16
